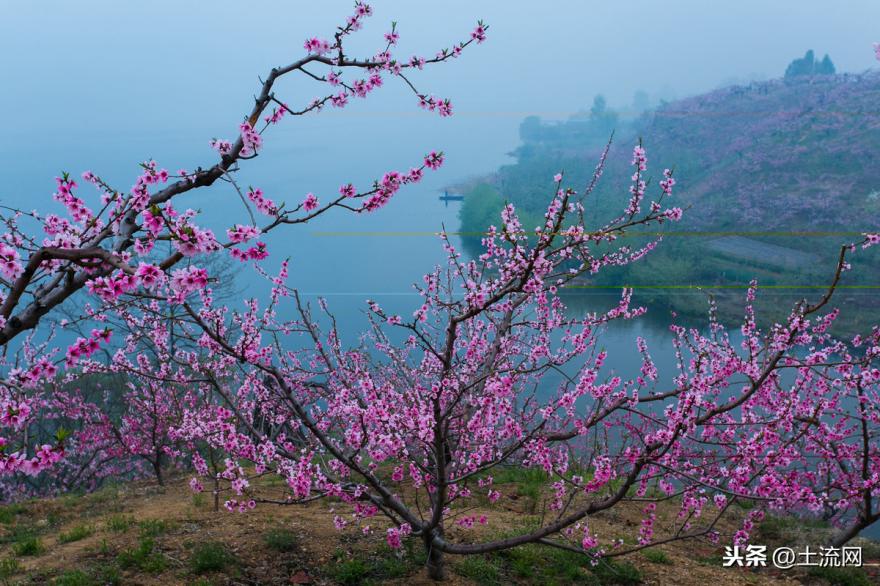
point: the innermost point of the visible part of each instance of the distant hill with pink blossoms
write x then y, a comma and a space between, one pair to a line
774, 176
792, 154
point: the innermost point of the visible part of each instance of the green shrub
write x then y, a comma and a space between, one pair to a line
353, 571
209, 557
281, 539
142, 557
28, 546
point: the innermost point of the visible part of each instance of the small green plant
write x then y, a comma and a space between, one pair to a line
198, 500
281, 539
209, 557
75, 534
28, 546
656, 556
143, 557
119, 523
8, 568
104, 547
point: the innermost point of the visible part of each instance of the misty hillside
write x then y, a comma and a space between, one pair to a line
774, 176
777, 155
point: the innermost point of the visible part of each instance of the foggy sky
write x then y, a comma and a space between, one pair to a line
134, 79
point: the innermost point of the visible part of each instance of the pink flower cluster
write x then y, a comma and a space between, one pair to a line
85, 347
265, 205
251, 140
10, 262
187, 280
317, 46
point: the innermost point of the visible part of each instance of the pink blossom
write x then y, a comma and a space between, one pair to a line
317, 46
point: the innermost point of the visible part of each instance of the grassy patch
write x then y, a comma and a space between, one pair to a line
143, 557
104, 495
656, 556
787, 529
74, 578
711, 560
539, 564
529, 483
391, 563
8, 568
353, 571
72, 499
9, 513
28, 546
281, 539
842, 576
75, 534
105, 575
376, 566
19, 532
153, 527
209, 557
481, 569
617, 573
119, 523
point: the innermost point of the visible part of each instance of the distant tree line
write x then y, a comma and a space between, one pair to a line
809, 65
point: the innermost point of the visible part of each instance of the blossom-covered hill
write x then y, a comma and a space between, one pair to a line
774, 177
794, 154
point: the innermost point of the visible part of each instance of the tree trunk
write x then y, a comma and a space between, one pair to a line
850, 532
435, 563
157, 469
